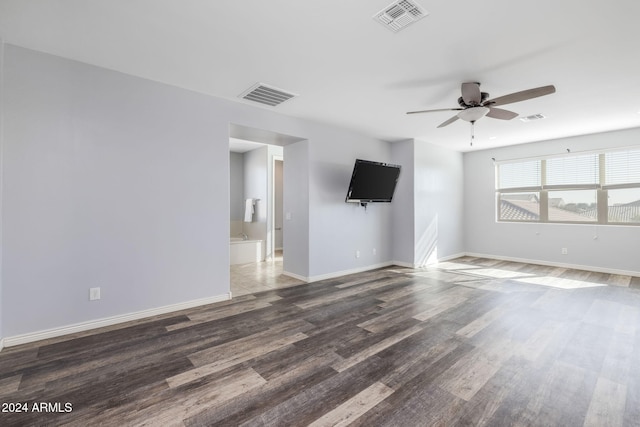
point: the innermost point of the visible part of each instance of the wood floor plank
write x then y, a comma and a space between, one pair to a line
588, 347
323, 397
628, 320
482, 408
471, 373
468, 342
565, 395
619, 359
481, 322
344, 293
191, 401
619, 280
230, 310
227, 357
436, 310
418, 357
392, 409
278, 390
375, 349
428, 406
539, 341
9, 385
632, 408
607, 404
411, 289
353, 408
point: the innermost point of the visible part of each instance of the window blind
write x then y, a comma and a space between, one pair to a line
622, 167
519, 175
568, 171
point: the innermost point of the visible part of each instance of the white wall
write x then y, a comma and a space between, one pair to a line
615, 249
296, 229
438, 205
428, 203
123, 183
236, 162
236, 192
338, 229
403, 205
258, 184
255, 187
110, 181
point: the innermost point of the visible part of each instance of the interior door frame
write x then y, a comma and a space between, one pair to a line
274, 159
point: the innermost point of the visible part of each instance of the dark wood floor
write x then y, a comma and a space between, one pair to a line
471, 342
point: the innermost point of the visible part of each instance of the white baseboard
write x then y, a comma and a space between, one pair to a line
1, 344
557, 264
108, 321
296, 276
347, 272
362, 269
335, 274
448, 258
403, 264
443, 259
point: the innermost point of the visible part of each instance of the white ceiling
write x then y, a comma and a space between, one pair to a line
242, 145
352, 72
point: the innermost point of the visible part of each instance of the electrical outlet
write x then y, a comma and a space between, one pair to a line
374, 251
564, 251
357, 254
94, 294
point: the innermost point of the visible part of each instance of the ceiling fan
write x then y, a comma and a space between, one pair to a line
475, 104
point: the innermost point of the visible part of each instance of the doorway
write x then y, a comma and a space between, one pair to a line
257, 177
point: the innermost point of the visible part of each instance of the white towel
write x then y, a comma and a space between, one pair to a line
248, 210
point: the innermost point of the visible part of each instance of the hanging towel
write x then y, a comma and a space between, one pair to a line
248, 210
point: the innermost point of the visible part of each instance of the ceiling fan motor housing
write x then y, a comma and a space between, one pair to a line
483, 97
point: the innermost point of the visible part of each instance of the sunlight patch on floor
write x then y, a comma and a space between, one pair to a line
499, 273
560, 283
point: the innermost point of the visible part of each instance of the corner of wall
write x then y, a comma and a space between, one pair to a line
402, 207
296, 208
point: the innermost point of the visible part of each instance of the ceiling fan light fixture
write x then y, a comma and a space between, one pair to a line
472, 114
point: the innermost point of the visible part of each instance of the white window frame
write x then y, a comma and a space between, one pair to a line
543, 190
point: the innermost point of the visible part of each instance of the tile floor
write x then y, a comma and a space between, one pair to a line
260, 276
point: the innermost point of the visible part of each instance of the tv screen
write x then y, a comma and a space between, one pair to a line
372, 182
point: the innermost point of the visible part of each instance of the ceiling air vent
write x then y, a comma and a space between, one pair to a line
532, 118
267, 95
399, 14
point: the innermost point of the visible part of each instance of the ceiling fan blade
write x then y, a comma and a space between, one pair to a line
499, 113
448, 122
471, 93
432, 111
521, 96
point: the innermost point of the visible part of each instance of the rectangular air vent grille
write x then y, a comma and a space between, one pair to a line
399, 14
265, 94
532, 117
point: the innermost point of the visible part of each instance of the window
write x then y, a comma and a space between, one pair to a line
602, 188
622, 186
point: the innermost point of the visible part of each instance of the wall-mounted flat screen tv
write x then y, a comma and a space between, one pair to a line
372, 182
